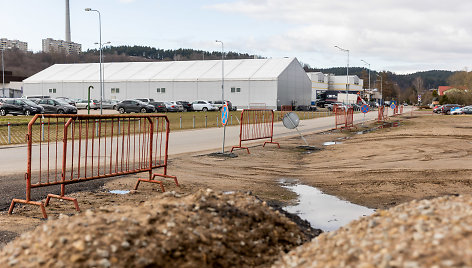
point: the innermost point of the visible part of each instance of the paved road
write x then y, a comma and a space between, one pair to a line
13, 158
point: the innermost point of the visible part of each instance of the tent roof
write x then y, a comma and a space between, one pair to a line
210, 70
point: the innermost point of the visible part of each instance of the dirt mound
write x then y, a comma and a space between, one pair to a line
203, 229
427, 233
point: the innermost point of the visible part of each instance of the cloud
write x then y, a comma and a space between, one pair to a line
419, 33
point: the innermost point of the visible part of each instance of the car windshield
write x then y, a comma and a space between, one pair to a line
141, 102
63, 102
29, 102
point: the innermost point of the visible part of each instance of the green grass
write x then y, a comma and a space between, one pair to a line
178, 121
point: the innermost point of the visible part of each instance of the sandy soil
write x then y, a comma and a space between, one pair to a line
424, 157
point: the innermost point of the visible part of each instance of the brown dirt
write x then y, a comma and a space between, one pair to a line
425, 157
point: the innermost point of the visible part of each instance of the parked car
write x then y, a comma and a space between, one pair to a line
173, 106
331, 105
57, 106
437, 109
187, 105
158, 105
202, 105
446, 108
108, 104
467, 110
83, 104
137, 106
457, 110
219, 104
20, 106
68, 100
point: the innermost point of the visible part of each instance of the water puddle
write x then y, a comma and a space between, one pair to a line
328, 143
325, 212
119, 191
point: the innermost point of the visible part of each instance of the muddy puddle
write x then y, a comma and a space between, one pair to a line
323, 211
119, 191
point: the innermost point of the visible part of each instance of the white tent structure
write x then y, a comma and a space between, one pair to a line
274, 82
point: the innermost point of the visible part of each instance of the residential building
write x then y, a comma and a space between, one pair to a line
51, 45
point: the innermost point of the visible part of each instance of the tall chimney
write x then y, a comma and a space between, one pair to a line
67, 22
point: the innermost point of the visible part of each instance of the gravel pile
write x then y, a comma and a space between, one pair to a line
199, 230
427, 233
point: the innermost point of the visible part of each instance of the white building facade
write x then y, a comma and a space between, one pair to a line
8, 44
51, 45
322, 82
274, 82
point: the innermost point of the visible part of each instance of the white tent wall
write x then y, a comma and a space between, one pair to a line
133, 89
294, 86
209, 91
259, 80
239, 99
263, 91
184, 90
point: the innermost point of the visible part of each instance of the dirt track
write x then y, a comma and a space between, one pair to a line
426, 156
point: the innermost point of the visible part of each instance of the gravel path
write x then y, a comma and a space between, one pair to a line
427, 233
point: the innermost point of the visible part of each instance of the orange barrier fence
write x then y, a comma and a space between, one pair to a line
340, 117
401, 109
383, 113
350, 118
256, 124
79, 148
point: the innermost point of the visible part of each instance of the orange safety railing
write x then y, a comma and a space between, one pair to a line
401, 109
383, 113
350, 118
340, 116
79, 148
256, 124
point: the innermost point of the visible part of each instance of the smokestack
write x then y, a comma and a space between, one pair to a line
67, 22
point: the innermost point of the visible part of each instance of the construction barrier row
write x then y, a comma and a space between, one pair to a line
79, 148
382, 113
256, 124
344, 117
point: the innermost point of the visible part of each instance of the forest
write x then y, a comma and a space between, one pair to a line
403, 87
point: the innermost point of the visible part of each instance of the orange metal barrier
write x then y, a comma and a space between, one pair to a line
78, 148
256, 124
401, 109
383, 113
350, 118
340, 117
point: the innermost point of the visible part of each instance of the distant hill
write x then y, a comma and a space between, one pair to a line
395, 86
431, 79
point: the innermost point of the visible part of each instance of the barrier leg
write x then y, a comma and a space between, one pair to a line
271, 142
74, 200
241, 147
152, 180
21, 201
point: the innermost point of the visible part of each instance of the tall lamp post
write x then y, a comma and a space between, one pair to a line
369, 73
381, 84
3, 73
100, 42
347, 72
222, 88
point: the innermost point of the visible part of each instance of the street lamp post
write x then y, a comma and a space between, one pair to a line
3, 75
369, 74
101, 77
222, 88
381, 84
347, 72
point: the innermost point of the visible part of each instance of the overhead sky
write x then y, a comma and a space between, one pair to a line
395, 35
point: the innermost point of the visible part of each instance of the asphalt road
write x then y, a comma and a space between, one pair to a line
13, 158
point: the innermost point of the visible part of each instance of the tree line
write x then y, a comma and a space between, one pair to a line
402, 87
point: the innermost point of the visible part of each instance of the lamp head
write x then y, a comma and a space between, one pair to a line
88, 9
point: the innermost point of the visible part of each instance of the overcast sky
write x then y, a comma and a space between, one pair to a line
396, 35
